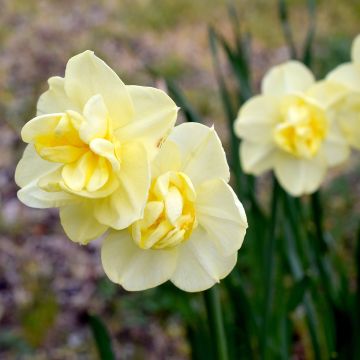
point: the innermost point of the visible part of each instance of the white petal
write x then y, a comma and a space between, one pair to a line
222, 215
291, 76
257, 117
25, 174
86, 75
79, 223
55, 100
167, 159
355, 50
300, 176
347, 74
257, 158
155, 116
327, 92
200, 265
335, 147
127, 203
203, 157
133, 268
31, 195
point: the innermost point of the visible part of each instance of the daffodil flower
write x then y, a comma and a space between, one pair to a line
346, 77
90, 147
289, 129
193, 223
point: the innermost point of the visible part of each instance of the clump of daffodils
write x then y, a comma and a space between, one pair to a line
298, 127
108, 156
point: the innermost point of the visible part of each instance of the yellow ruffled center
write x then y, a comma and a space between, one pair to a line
84, 144
169, 215
302, 127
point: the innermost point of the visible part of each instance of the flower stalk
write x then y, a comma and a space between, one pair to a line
216, 323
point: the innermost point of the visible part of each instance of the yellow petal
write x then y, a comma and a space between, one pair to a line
257, 158
106, 149
173, 204
44, 124
222, 215
257, 118
86, 75
155, 116
55, 100
76, 174
199, 264
127, 203
133, 268
291, 76
300, 176
96, 119
79, 223
203, 157
31, 160
355, 49
99, 176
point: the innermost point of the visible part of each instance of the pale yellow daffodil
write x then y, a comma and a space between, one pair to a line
90, 148
193, 223
347, 108
290, 129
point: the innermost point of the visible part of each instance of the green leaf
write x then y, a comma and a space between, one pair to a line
286, 28
101, 337
181, 101
297, 293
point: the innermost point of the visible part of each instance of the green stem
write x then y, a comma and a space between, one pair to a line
216, 323
269, 268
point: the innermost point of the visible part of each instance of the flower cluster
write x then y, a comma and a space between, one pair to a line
299, 127
108, 156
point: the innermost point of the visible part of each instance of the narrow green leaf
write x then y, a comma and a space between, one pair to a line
101, 337
297, 293
307, 53
286, 28
181, 101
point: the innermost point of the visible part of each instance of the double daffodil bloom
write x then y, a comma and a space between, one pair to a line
193, 223
346, 77
90, 148
289, 128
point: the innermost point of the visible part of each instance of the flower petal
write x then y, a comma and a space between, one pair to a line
167, 159
32, 195
134, 268
25, 174
300, 176
127, 203
222, 215
203, 157
347, 74
79, 222
355, 49
86, 75
257, 158
291, 76
335, 147
55, 100
155, 116
199, 264
96, 119
256, 118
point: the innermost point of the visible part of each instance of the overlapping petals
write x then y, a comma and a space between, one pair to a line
91, 145
292, 128
193, 223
